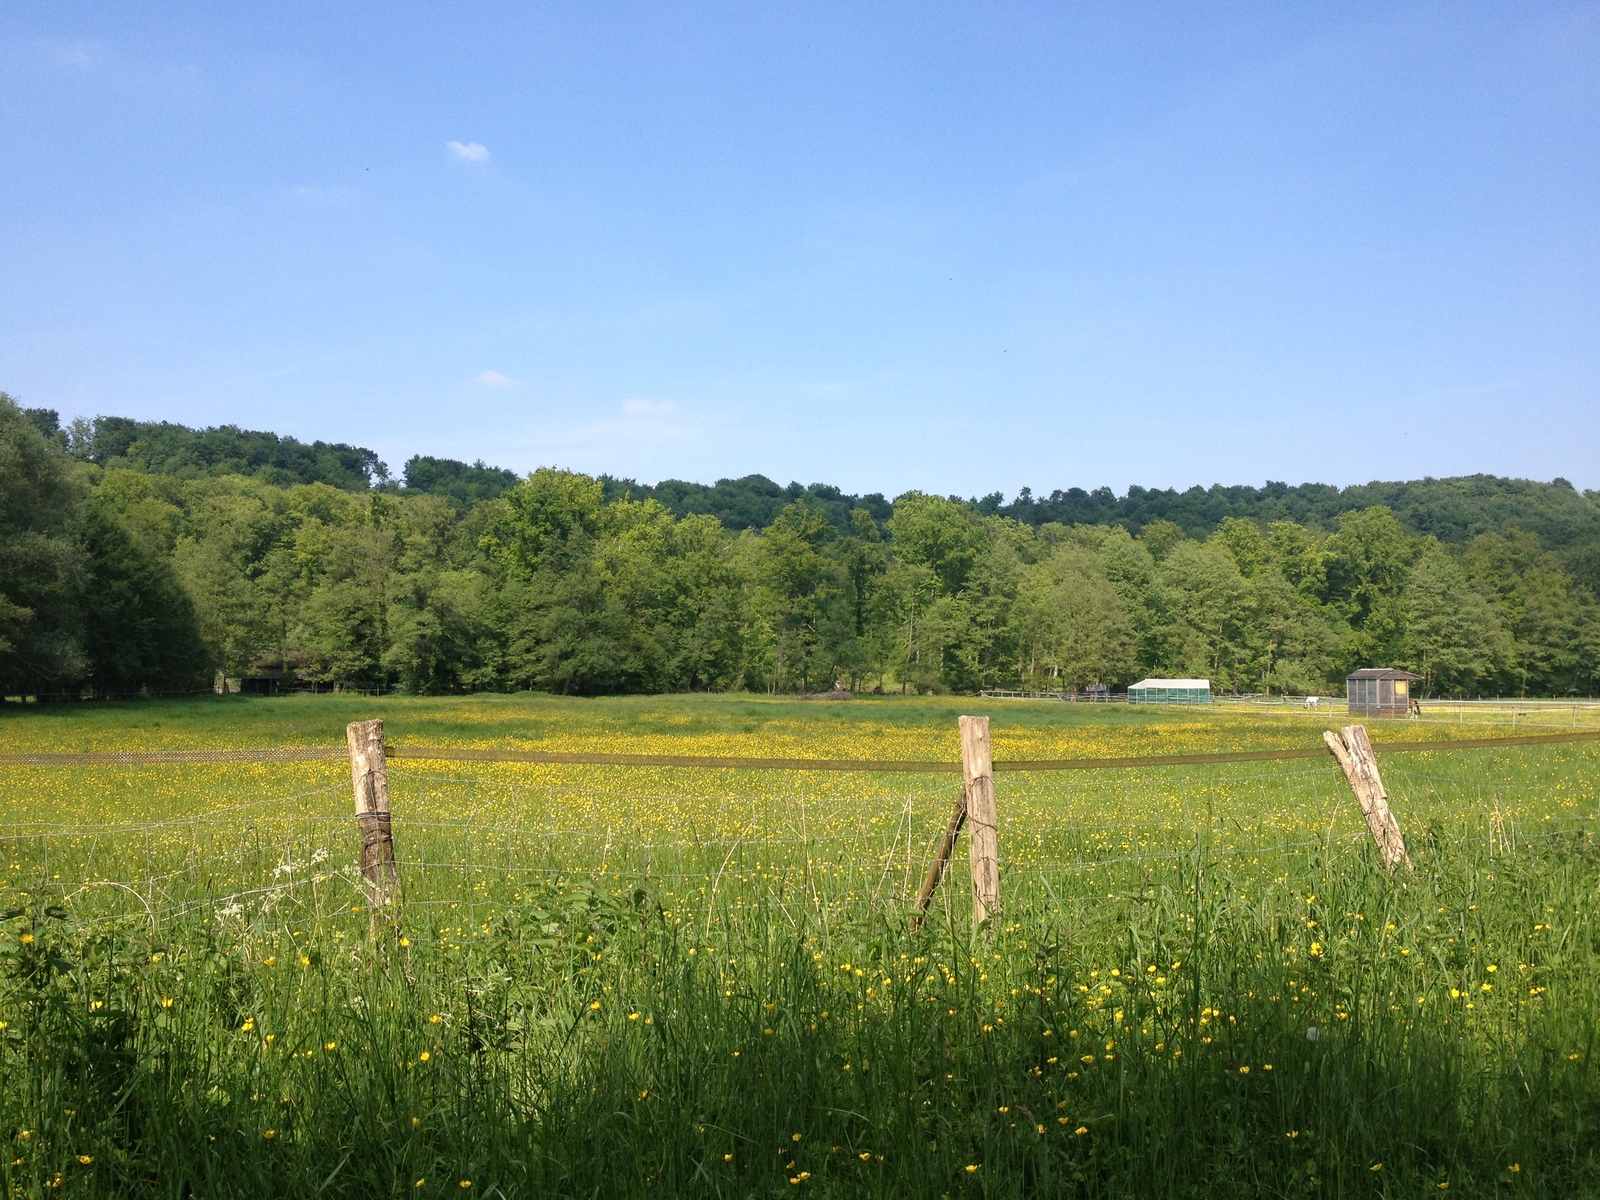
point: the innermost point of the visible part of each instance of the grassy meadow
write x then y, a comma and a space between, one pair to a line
619, 981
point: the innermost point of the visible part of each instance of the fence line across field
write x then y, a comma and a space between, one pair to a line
300, 876
377, 879
228, 820
107, 758
257, 814
212, 822
794, 873
514, 783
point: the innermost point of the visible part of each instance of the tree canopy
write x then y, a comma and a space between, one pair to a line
82, 604
165, 448
135, 557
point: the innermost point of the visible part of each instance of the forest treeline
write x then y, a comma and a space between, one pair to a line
145, 556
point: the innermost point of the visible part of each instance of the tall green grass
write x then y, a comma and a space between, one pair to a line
1202, 984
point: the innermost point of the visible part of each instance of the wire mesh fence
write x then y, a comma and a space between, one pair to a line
475, 837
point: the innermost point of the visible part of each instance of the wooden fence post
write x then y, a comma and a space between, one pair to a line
976, 802
370, 776
1353, 749
941, 858
977, 769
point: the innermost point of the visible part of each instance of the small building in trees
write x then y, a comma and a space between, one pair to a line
1170, 691
1379, 692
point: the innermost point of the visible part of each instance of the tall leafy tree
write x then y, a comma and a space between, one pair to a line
139, 626
42, 561
798, 583
1289, 640
862, 621
1204, 596
943, 535
1454, 638
1245, 544
1130, 568
1532, 594
1298, 557
1366, 562
1072, 627
981, 649
541, 514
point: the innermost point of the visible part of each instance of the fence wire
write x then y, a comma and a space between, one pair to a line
747, 763
471, 845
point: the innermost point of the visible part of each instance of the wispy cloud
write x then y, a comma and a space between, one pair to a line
472, 152
495, 379
79, 55
314, 194
649, 408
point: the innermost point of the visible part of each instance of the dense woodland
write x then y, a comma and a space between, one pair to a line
144, 557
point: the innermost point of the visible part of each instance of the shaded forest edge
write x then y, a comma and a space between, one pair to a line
146, 557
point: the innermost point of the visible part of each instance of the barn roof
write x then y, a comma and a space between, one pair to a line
1381, 673
1191, 684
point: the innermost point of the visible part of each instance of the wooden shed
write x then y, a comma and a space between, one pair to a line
1379, 692
1170, 691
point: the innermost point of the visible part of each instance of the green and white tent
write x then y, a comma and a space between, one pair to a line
1170, 691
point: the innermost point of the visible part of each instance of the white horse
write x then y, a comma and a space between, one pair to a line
1313, 702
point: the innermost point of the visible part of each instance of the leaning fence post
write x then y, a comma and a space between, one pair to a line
977, 770
941, 858
1353, 749
370, 776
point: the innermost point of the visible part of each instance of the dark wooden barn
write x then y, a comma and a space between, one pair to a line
1379, 692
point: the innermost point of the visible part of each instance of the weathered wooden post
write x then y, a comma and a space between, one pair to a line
370, 775
977, 804
977, 769
941, 858
1353, 749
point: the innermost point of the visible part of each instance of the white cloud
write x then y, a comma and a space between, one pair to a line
495, 379
312, 194
473, 152
649, 408
79, 55
72, 56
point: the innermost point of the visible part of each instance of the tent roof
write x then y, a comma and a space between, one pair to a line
1190, 684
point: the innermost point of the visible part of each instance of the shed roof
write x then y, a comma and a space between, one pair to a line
1381, 673
1191, 684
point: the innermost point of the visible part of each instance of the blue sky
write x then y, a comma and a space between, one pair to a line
963, 248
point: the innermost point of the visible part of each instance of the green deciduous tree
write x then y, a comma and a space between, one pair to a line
1245, 544
797, 585
1533, 597
1072, 626
140, 632
42, 562
943, 535
1203, 603
541, 513
1453, 637
1366, 562
578, 584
